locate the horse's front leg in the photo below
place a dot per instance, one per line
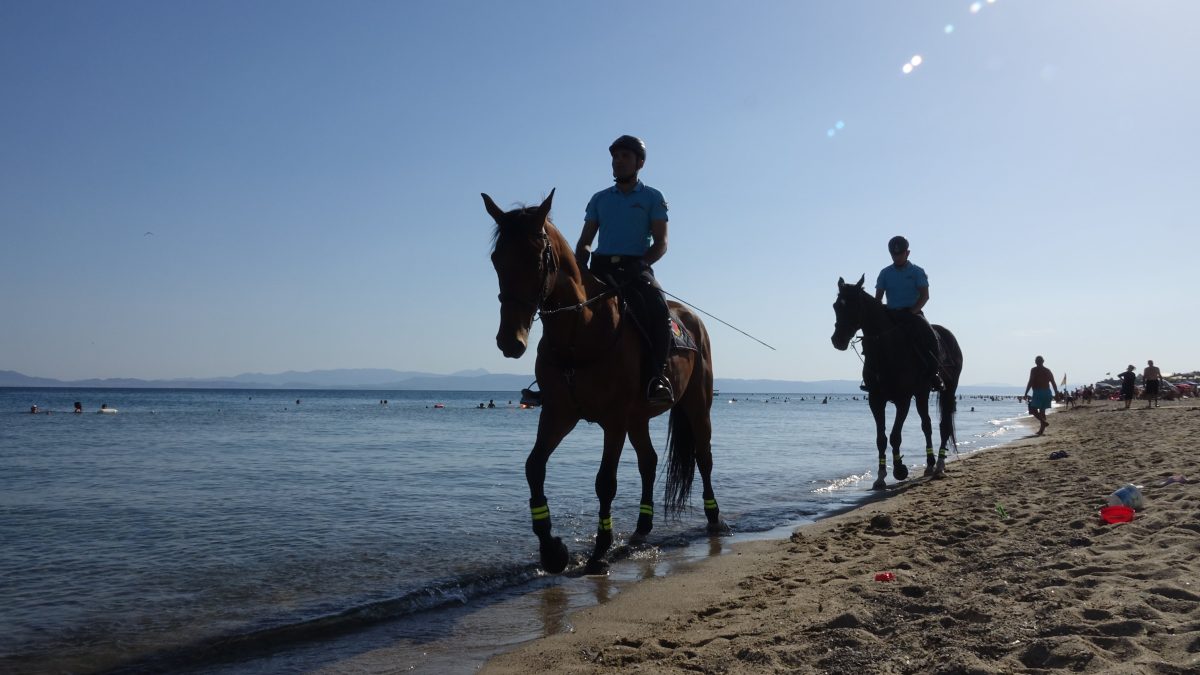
(551, 430)
(639, 437)
(927, 429)
(899, 468)
(878, 406)
(606, 491)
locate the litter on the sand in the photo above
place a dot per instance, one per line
(1129, 495)
(1118, 513)
(885, 576)
(1177, 478)
(1000, 510)
(1059, 454)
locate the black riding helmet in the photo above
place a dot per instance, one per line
(897, 245)
(631, 143)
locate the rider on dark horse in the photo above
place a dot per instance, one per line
(907, 290)
(631, 218)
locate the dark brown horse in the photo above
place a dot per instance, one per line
(893, 372)
(590, 367)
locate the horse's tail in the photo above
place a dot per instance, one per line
(947, 405)
(681, 462)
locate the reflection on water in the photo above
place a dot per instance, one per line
(553, 604)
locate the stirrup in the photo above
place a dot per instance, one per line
(659, 391)
(936, 384)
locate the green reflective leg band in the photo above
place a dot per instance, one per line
(540, 512)
(647, 509)
(942, 453)
(929, 451)
(710, 504)
(606, 524)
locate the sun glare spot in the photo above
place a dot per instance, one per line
(907, 68)
(975, 7)
(916, 60)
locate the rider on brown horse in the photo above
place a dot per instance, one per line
(631, 218)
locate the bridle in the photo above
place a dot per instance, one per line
(547, 266)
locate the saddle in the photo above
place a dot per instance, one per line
(681, 337)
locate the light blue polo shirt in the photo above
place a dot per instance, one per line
(902, 284)
(625, 218)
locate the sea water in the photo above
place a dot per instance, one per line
(241, 531)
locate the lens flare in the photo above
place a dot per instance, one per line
(907, 68)
(916, 60)
(840, 125)
(830, 133)
(975, 7)
(949, 28)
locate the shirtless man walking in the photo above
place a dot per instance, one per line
(1152, 380)
(1041, 381)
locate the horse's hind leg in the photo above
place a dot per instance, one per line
(899, 468)
(702, 436)
(927, 429)
(551, 431)
(606, 491)
(639, 437)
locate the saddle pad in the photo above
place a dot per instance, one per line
(680, 337)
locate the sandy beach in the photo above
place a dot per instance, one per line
(1003, 566)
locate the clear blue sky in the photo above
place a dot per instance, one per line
(311, 172)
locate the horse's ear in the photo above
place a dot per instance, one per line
(544, 209)
(494, 211)
(841, 282)
(861, 280)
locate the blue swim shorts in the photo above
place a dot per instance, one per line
(1041, 399)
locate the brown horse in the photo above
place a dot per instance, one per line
(589, 367)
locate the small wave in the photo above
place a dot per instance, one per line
(841, 483)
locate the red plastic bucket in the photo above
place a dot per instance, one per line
(1118, 513)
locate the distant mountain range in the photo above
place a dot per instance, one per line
(401, 380)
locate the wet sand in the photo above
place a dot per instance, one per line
(1003, 566)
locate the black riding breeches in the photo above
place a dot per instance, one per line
(923, 336)
(641, 291)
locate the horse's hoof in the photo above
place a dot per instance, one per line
(928, 469)
(900, 471)
(554, 556)
(879, 484)
(718, 527)
(596, 566)
(939, 469)
(638, 538)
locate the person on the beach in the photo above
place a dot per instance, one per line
(907, 291)
(1151, 380)
(631, 219)
(1041, 381)
(1128, 379)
